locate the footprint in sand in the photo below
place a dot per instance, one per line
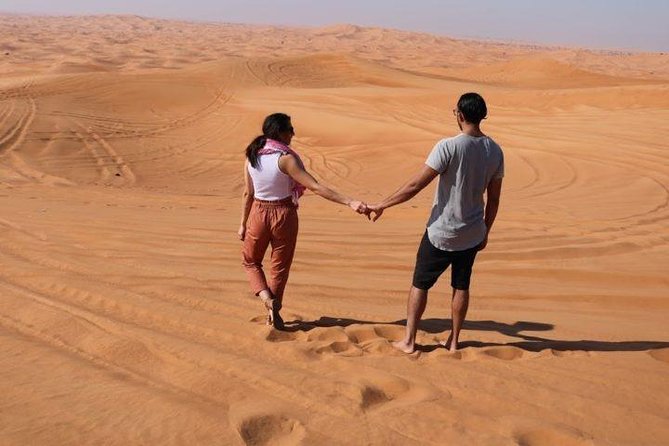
(258, 319)
(332, 340)
(273, 335)
(550, 436)
(563, 353)
(371, 396)
(503, 353)
(274, 429)
(375, 339)
(342, 348)
(335, 334)
(382, 391)
(362, 334)
(441, 353)
(661, 355)
(390, 332)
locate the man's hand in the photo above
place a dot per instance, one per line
(241, 232)
(375, 209)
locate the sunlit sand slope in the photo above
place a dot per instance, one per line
(125, 315)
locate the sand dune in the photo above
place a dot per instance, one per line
(541, 73)
(125, 315)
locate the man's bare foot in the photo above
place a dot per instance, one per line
(449, 344)
(404, 346)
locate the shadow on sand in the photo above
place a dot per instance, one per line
(516, 330)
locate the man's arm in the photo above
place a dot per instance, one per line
(416, 184)
(493, 193)
(247, 201)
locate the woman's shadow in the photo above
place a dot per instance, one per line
(516, 330)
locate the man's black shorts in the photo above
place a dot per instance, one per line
(431, 262)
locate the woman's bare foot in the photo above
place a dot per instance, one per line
(277, 320)
(273, 317)
(270, 305)
(404, 346)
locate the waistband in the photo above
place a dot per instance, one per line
(286, 202)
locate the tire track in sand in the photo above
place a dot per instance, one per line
(6, 113)
(110, 154)
(14, 138)
(112, 127)
(15, 135)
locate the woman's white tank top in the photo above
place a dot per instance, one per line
(269, 183)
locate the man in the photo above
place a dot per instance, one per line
(469, 165)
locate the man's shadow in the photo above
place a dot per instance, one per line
(516, 330)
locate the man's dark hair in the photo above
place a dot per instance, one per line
(473, 108)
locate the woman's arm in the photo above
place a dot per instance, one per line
(247, 201)
(289, 165)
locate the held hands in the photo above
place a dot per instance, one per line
(365, 209)
(375, 209)
(358, 206)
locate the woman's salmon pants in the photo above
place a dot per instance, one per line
(272, 223)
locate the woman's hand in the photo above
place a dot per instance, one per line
(358, 206)
(242, 232)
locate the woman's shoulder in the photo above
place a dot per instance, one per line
(287, 157)
(287, 162)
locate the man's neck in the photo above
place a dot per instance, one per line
(472, 130)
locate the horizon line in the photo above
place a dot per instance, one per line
(509, 42)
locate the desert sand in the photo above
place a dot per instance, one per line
(125, 314)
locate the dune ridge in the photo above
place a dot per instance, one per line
(133, 42)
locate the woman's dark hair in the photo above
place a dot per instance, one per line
(274, 125)
(473, 108)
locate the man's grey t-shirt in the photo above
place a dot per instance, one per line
(466, 165)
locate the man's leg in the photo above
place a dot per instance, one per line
(430, 264)
(415, 307)
(460, 279)
(459, 305)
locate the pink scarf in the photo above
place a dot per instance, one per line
(273, 146)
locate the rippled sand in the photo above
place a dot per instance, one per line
(125, 316)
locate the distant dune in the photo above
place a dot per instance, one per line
(125, 315)
(131, 42)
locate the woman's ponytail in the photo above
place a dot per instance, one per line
(274, 125)
(253, 148)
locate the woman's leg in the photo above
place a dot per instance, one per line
(284, 238)
(257, 240)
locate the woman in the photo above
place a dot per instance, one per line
(275, 179)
